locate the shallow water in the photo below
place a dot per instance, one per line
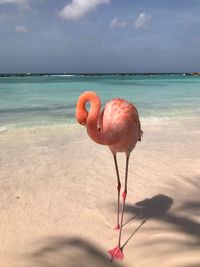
(50, 99)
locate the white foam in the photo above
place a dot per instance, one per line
(3, 129)
(154, 119)
(61, 75)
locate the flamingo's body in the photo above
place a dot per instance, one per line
(121, 118)
(117, 126)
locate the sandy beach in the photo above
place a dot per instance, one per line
(58, 198)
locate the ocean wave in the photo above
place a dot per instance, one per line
(7, 127)
(37, 124)
(3, 128)
(154, 119)
(36, 109)
(167, 119)
(60, 75)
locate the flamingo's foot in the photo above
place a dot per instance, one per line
(117, 227)
(116, 253)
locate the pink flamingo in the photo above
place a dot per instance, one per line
(118, 127)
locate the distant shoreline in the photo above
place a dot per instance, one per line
(95, 74)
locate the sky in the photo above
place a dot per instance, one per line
(99, 36)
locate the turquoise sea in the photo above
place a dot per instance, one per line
(50, 99)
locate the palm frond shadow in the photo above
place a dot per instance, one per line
(173, 231)
(158, 207)
(69, 252)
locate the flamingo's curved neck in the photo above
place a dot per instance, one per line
(91, 119)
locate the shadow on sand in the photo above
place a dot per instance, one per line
(69, 252)
(178, 229)
(158, 207)
(73, 252)
(154, 207)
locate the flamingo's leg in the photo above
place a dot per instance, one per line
(117, 253)
(118, 191)
(124, 200)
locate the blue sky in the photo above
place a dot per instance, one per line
(99, 36)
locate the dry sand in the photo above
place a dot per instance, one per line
(58, 198)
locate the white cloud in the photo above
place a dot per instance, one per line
(20, 3)
(21, 29)
(142, 21)
(117, 23)
(79, 8)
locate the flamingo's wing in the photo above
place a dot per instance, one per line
(100, 120)
(140, 132)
